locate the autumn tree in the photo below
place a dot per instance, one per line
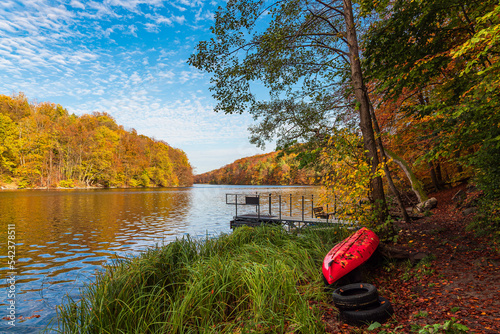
(445, 54)
(42, 145)
(303, 52)
(275, 168)
(8, 149)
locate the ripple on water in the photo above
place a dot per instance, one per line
(46, 255)
(80, 249)
(36, 265)
(90, 229)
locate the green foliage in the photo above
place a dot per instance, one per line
(422, 269)
(448, 327)
(440, 59)
(374, 326)
(422, 314)
(486, 160)
(145, 180)
(23, 184)
(299, 55)
(67, 183)
(486, 222)
(255, 280)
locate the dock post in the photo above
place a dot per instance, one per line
(269, 204)
(236, 202)
(279, 197)
(302, 209)
(335, 203)
(312, 206)
(258, 206)
(327, 215)
(290, 205)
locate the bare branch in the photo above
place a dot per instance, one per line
(332, 8)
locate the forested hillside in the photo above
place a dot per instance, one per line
(42, 145)
(270, 168)
(385, 96)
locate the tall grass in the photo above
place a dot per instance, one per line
(254, 280)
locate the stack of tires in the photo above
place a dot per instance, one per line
(360, 304)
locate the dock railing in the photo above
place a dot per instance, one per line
(257, 201)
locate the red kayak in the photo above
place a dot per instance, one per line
(349, 254)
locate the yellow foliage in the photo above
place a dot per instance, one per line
(347, 186)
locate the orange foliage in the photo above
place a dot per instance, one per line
(269, 169)
(412, 137)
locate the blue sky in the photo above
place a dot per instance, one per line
(126, 58)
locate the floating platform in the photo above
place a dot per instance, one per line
(316, 217)
(289, 223)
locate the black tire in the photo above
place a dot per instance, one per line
(380, 312)
(355, 296)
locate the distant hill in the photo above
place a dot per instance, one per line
(269, 169)
(42, 145)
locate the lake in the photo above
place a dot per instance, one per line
(62, 237)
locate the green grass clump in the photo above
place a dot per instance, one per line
(254, 280)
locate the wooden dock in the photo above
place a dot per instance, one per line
(289, 223)
(316, 217)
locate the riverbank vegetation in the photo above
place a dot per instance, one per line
(265, 280)
(42, 145)
(276, 168)
(385, 97)
(254, 280)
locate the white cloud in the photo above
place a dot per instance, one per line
(8, 26)
(101, 10)
(190, 76)
(133, 4)
(159, 19)
(132, 29)
(164, 54)
(202, 15)
(135, 79)
(179, 19)
(97, 55)
(77, 4)
(191, 3)
(166, 74)
(8, 3)
(151, 27)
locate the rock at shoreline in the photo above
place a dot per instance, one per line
(431, 203)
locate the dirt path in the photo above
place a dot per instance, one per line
(462, 281)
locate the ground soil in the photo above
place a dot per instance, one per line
(462, 281)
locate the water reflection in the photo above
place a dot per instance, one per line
(64, 236)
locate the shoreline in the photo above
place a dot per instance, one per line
(258, 280)
(3, 188)
(226, 284)
(9, 188)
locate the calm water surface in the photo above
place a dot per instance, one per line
(64, 236)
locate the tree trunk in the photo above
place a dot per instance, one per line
(439, 175)
(363, 101)
(434, 179)
(393, 188)
(414, 182)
